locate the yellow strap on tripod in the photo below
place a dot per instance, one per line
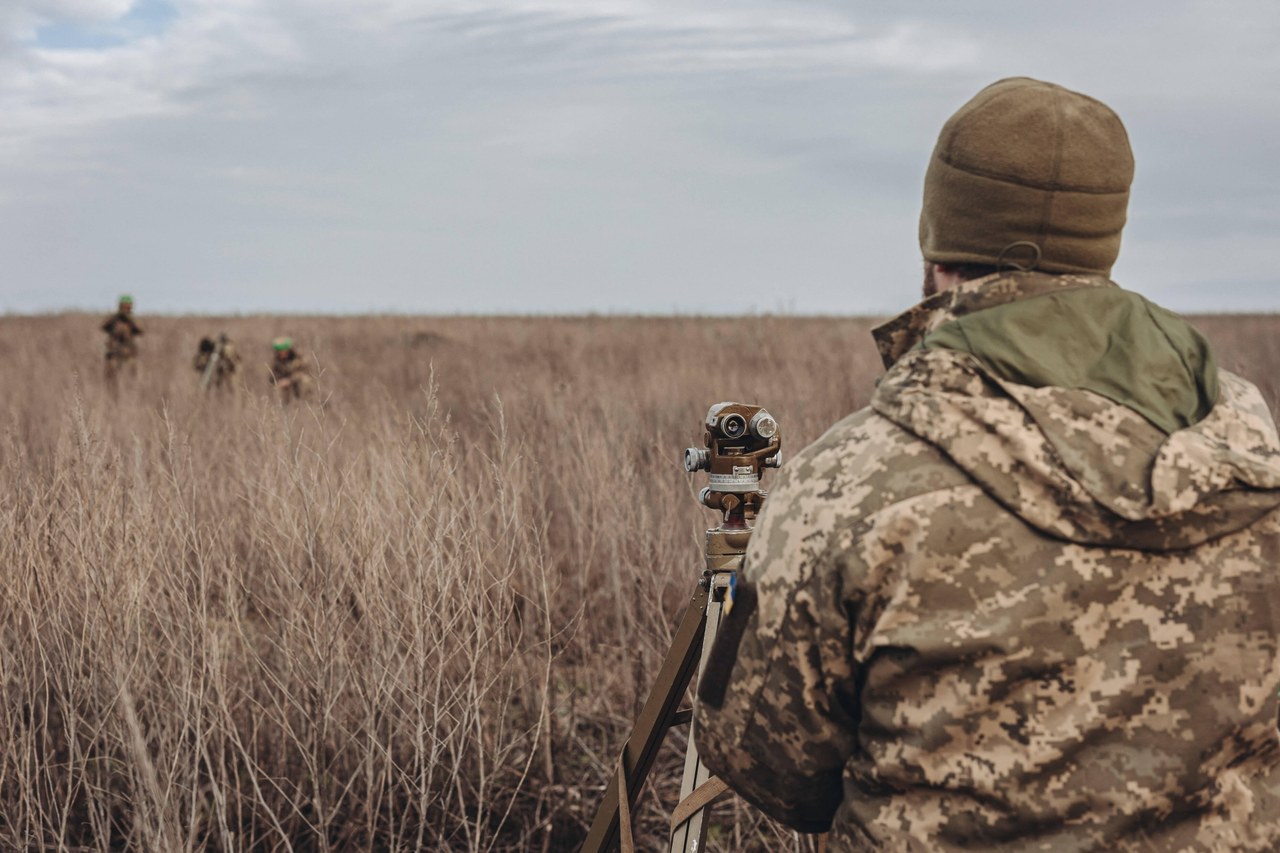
(626, 843)
(699, 798)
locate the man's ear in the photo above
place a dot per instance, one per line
(945, 276)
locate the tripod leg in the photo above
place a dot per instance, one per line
(652, 724)
(691, 835)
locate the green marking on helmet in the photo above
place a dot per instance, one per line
(282, 344)
(126, 299)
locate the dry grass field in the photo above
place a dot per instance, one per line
(418, 612)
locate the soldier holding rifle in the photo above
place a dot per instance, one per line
(1025, 599)
(122, 344)
(289, 371)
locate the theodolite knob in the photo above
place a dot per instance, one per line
(696, 459)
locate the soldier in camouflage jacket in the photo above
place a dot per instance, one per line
(290, 372)
(122, 338)
(217, 358)
(1024, 600)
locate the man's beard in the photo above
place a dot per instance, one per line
(930, 283)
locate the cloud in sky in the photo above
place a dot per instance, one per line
(593, 155)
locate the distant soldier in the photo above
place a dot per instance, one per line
(216, 361)
(289, 370)
(122, 333)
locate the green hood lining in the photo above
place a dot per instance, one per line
(1105, 340)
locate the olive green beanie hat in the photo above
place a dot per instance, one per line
(1028, 174)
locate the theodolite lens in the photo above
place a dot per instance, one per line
(696, 459)
(733, 426)
(763, 425)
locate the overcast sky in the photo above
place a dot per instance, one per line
(589, 155)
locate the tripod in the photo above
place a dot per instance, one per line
(696, 634)
(741, 440)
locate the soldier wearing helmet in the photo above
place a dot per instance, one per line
(1026, 599)
(122, 344)
(289, 370)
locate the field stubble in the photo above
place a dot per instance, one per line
(418, 612)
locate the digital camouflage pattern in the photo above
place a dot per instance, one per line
(989, 616)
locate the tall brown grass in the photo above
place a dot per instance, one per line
(418, 612)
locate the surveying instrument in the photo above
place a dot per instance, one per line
(740, 441)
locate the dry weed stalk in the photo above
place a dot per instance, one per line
(416, 614)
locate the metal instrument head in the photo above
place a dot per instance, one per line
(741, 440)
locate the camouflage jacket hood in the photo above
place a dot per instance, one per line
(1130, 438)
(1017, 604)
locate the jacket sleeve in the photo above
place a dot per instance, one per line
(777, 714)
